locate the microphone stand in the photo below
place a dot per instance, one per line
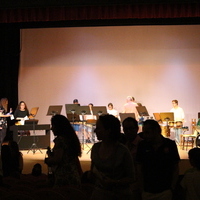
(83, 128)
(34, 146)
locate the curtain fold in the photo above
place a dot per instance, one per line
(146, 11)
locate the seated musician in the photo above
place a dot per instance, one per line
(111, 110)
(22, 114)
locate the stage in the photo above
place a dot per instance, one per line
(31, 158)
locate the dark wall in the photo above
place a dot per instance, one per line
(9, 64)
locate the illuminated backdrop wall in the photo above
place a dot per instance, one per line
(155, 64)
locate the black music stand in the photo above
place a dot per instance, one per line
(123, 116)
(142, 111)
(99, 110)
(33, 121)
(83, 110)
(54, 110)
(71, 112)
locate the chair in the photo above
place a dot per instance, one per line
(189, 139)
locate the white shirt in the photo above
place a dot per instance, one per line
(113, 112)
(178, 114)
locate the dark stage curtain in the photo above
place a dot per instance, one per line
(141, 11)
(9, 64)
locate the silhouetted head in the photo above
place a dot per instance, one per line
(37, 170)
(130, 128)
(151, 130)
(108, 128)
(194, 157)
(61, 125)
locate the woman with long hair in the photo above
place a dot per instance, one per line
(63, 159)
(21, 111)
(3, 120)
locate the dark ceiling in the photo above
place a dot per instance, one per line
(5, 4)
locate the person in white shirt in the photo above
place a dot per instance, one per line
(178, 111)
(111, 110)
(178, 119)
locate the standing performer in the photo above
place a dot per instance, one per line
(130, 106)
(3, 120)
(178, 118)
(178, 111)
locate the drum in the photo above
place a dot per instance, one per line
(91, 121)
(171, 124)
(165, 131)
(179, 124)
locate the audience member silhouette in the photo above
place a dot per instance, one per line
(157, 163)
(191, 179)
(11, 157)
(111, 162)
(130, 128)
(37, 170)
(63, 159)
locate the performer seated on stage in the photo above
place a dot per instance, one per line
(22, 114)
(111, 110)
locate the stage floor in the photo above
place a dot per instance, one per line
(31, 158)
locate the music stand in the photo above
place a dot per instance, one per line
(142, 111)
(71, 112)
(33, 122)
(54, 110)
(157, 117)
(33, 112)
(167, 116)
(123, 116)
(83, 110)
(99, 110)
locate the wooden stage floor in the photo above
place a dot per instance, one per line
(31, 158)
